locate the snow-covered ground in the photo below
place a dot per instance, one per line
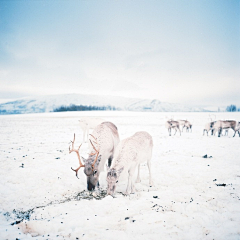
(41, 198)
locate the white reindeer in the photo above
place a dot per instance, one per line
(172, 124)
(104, 141)
(130, 153)
(209, 127)
(87, 123)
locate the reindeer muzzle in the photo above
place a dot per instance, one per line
(90, 186)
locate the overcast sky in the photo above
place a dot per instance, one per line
(175, 51)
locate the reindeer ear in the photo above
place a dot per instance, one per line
(120, 170)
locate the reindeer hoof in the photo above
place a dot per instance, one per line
(151, 184)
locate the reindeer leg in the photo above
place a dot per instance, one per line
(133, 190)
(132, 182)
(129, 183)
(150, 174)
(130, 186)
(219, 132)
(138, 180)
(175, 131)
(234, 133)
(110, 161)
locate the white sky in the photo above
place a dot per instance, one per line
(175, 51)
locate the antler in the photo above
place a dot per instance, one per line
(79, 157)
(96, 151)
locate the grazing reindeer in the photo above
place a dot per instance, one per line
(130, 153)
(208, 127)
(185, 123)
(188, 126)
(182, 123)
(220, 125)
(172, 124)
(87, 123)
(105, 140)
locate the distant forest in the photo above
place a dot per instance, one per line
(85, 108)
(232, 108)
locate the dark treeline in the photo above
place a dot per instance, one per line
(232, 108)
(84, 108)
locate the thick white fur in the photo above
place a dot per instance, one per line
(107, 137)
(130, 153)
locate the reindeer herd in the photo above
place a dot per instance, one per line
(220, 125)
(106, 149)
(213, 126)
(171, 124)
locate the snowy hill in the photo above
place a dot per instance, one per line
(49, 103)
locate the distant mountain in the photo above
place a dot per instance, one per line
(51, 102)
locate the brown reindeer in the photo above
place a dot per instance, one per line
(172, 124)
(227, 124)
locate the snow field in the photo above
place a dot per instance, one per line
(38, 186)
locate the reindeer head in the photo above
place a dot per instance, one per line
(90, 166)
(92, 171)
(112, 180)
